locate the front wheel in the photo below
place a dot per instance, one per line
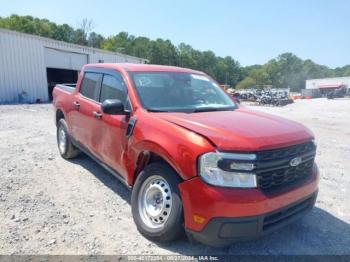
(156, 203)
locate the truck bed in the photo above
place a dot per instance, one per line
(66, 87)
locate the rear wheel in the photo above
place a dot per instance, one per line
(65, 147)
(156, 203)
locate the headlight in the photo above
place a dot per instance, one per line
(228, 170)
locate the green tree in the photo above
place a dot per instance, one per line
(64, 33)
(79, 37)
(342, 71)
(141, 47)
(286, 71)
(95, 40)
(260, 77)
(185, 56)
(247, 82)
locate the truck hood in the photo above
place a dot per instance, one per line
(242, 129)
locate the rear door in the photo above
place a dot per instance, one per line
(88, 111)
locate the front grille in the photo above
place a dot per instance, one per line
(274, 171)
(275, 219)
(291, 151)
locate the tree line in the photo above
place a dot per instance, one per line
(287, 70)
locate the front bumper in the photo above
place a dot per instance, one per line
(227, 215)
(224, 231)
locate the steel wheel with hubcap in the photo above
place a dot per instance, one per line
(156, 203)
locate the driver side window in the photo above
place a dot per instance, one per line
(113, 87)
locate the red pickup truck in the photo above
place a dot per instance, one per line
(196, 161)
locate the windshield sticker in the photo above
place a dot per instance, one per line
(143, 81)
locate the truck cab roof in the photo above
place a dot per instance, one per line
(130, 67)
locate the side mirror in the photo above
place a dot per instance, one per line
(113, 107)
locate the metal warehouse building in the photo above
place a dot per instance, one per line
(326, 85)
(31, 65)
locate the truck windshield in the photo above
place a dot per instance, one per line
(180, 92)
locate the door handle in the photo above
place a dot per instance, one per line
(97, 115)
(76, 104)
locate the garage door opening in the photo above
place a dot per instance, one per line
(59, 76)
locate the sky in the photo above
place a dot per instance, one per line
(251, 31)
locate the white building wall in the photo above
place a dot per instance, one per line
(62, 59)
(23, 64)
(22, 68)
(315, 83)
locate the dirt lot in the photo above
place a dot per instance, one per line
(52, 206)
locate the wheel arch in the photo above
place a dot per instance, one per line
(147, 157)
(59, 115)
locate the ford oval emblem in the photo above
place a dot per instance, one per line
(295, 161)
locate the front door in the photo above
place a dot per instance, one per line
(113, 141)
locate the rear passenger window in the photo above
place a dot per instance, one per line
(113, 87)
(89, 86)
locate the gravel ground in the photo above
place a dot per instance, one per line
(52, 206)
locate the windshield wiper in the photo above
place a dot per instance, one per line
(192, 110)
(156, 110)
(211, 109)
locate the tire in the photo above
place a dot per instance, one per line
(65, 147)
(170, 220)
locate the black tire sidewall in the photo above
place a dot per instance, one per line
(62, 124)
(173, 227)
(70, 151)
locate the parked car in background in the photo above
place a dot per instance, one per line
(195, 160)
(337, 93)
